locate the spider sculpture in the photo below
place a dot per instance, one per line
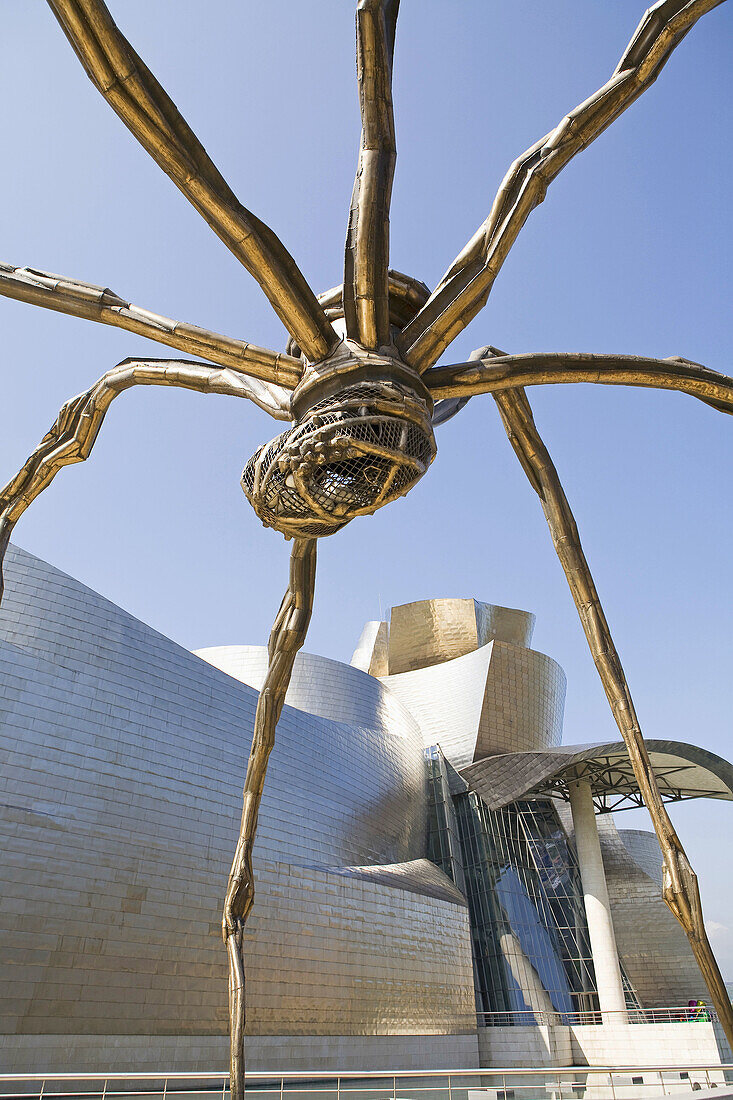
(358, 382)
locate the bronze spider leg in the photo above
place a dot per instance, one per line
(496, 373)
(97, 303)
(366, 290)
(148, 112)
(73, 434)
(287, 637)
(465, 287)
(680, 889)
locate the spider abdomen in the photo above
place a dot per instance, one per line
(350, 454)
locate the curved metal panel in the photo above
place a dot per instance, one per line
(682, 771)
(499, 698)
(329, 689)
(429, 632)
(124, 762)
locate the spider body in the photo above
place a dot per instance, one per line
(350, 454)
(362, 437)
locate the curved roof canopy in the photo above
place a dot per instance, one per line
(683, 771)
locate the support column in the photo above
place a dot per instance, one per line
(597, 906)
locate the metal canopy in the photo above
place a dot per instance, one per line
(682, 772)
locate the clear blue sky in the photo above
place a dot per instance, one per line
(629, 253)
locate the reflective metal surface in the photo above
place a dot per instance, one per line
(470, 680)
(652, 946)
(429, 632)
(124, 759)
(125, 755)
(682, 771)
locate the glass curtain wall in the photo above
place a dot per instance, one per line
(529, 927)
(521, 880)
(444, 844)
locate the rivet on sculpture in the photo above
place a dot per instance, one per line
(359, 383)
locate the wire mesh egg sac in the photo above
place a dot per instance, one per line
(348, 456)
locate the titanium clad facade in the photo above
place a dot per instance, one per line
(328, 689)
(395, 896)
(492, 708)
(430, 632)
(655, 952)
(121, 800)
(500, 698)
(465, 671)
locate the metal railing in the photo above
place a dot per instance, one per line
(562, 1083)
(682, 1014)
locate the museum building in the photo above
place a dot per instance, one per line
(440, 882)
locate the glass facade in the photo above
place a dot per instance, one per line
(529, 928)
(444, 843)
(520, 876)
